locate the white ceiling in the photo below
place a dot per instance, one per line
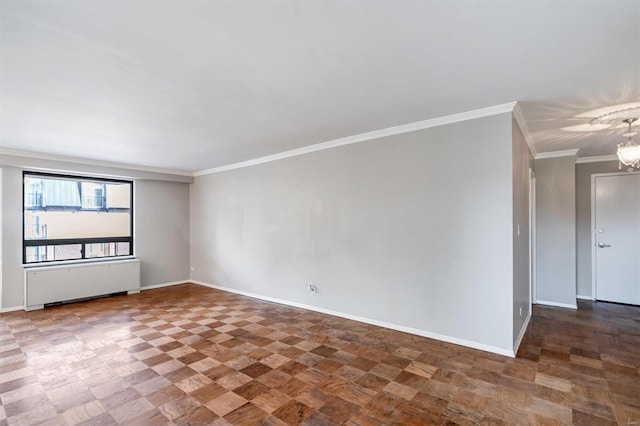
(196, 84)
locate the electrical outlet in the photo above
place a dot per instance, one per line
(193, 268)
(520, 310)
(313, 288)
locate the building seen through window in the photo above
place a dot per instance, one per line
(68, 218)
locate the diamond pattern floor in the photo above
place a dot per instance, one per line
(190, 355)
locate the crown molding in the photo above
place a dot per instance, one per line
(597, 159)
(522, 123)
(363, 137)
(78, 160)
(555, 154)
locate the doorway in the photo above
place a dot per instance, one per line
(532, 237)
(615, 213)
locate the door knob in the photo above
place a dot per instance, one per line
(603, 245)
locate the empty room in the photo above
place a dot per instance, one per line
(326, 212)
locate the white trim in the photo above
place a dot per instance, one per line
(533, 284)
(151, 287)
(555, 154)
(557, 305)
(523, 330)
(522, 123)
(111, 259)
(593, 236)
(78, 160)
(581, 297)
(620, 173)
(410, 330)
(376, 134)
(12, 309)
(597, 159)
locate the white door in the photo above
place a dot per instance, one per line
(617, 238)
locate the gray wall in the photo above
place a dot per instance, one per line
(161, 211)
(522, 163)
(583, 220)
(12, 272)
(414, 230)
(161, 214)
(556, 230)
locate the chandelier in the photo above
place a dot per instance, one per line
(628, 152)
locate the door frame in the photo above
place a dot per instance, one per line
(593, 223)
(533, 297)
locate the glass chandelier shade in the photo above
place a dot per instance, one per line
(628, 152)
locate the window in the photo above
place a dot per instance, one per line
(72, 217)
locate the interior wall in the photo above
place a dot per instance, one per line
(1, 232)
(413, 230)
(12, 272)
(556, 231)
(161, 226)
(161, 214)
(583, 220)
(522, 163)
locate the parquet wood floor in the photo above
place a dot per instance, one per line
(190, 355)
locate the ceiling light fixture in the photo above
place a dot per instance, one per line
(628, 152)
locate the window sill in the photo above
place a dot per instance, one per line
(76, 262)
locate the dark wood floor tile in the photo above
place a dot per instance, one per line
(251, 390)
(293, 412)
(291, 368)
(248, 414)
(387, 406)
(271, 420)
(293, 387)
(461, 414)
(338, 410)
(291, 352)
(324, 351)
(192, 357)
(157, 359)
(363, 364)
(271, 400)
(319, 419)
(274, 378)
(218, 372)
(179, 373)
(164, 395)
(255, 370)
(581, 418)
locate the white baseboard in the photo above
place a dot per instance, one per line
(11, 309)
(584, 297)
(404, 329)
(151, 287)
(556, 304)
(523, 330)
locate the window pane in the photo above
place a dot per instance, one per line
(55, 208)
(107, 250)
(93, 195)
(51, 253)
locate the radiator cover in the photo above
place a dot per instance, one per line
(50, 284)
